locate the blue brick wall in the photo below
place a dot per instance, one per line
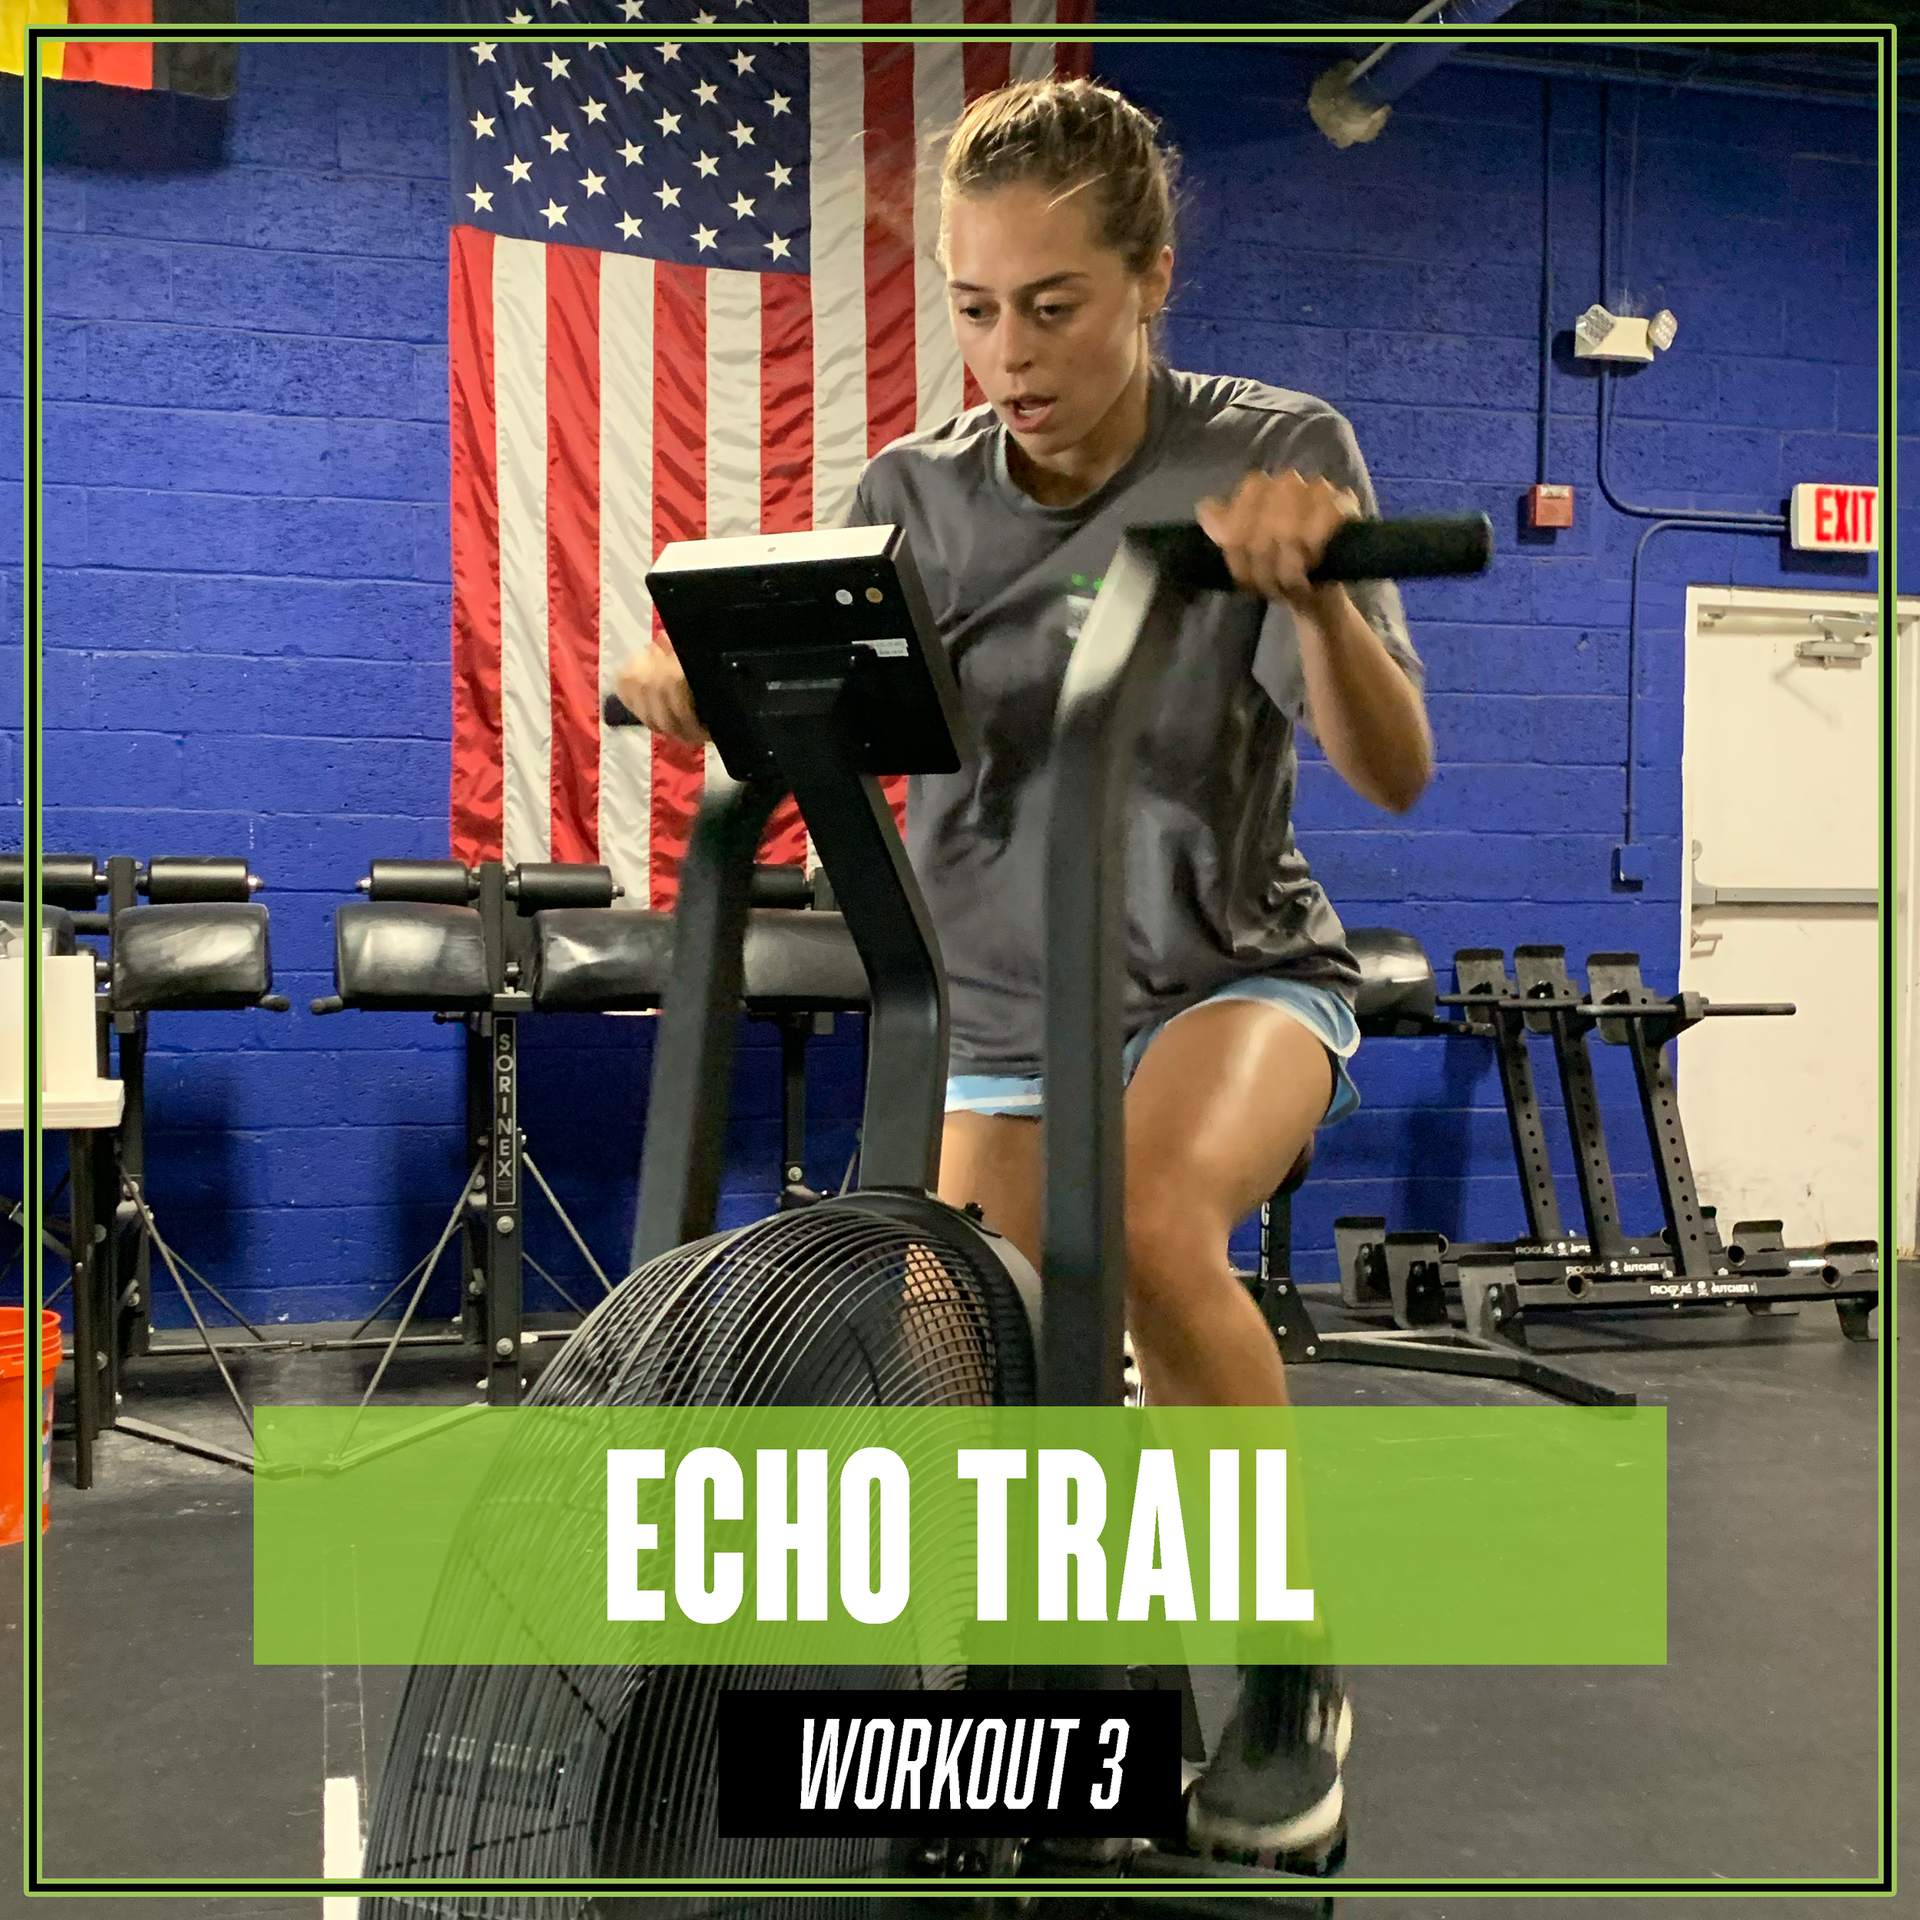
(247, 599)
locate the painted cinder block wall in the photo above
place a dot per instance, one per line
(247, 602)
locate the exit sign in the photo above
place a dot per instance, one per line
(1835, 519)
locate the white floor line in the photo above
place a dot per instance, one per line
(340, 1845)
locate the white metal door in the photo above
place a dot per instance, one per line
(1781, 810)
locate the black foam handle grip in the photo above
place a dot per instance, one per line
(537, 885)
(172, 881)
(70, 880)
(781, 886)
(446, 883)
(1360, 550)
(1408, 549)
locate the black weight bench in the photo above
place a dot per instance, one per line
(56, 927)
(419, 957)
(794, 962)
(182, 935)
(491, 944)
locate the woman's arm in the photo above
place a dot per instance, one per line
(1366, 713)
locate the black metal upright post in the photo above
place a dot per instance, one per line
(1696, 1244)
(1482, 971)
(135, 1334)
(504, 1212)
(473, 1226)
(498, 1219)
(114, 1309)
(793, 1029)
(1119, 655)
(1542, 975)
(680, 1166)
(852, 827)
(89, 1334)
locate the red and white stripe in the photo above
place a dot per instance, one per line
(604, 405)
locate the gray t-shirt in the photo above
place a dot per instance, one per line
(1216, 888)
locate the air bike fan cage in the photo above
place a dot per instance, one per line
(814, 661)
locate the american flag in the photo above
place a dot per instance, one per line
(692, 290)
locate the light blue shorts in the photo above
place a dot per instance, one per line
(1322, 1012)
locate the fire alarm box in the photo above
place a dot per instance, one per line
(1549, 506)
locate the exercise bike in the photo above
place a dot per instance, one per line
(814, 661)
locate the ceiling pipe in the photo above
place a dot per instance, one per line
(1350, 103)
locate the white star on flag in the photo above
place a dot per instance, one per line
(482, 125)
(554, 214)
(705, 236)
(482, 200)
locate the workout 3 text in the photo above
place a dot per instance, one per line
(899, 1764)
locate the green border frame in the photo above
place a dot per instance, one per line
(1202, 32)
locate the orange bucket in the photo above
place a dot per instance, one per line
(13, 1387)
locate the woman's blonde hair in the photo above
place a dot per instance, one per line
(1069, 136)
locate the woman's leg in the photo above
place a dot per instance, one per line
(1218, 1111)
(992, 1161)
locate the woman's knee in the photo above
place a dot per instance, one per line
(1176, 1244)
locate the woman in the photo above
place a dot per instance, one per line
(1056, 239)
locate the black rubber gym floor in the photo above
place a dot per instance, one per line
(1752, 1753)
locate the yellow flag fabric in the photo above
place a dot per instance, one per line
(15, 17)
